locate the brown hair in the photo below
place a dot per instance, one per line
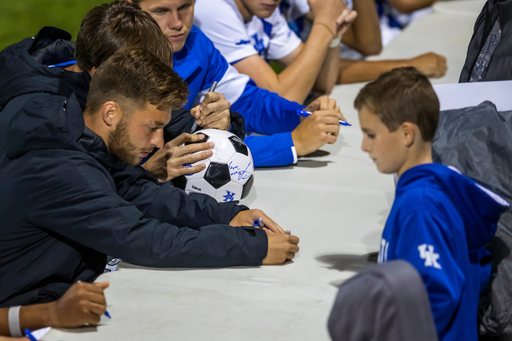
(134, 77)
(402, 95)
(110, 27)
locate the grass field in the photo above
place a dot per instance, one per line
(24, 18)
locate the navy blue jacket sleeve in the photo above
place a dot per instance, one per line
(80, 203)
(170, 204)
(426, 244)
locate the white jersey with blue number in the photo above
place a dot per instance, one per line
(220, 20)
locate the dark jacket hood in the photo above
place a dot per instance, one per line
(479, 208)
(24, 67)
(45, 122)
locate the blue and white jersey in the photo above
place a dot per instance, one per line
(270, 38)
(199, 63)
(440, 222)
(294, 9)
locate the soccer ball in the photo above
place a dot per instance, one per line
(229, 171)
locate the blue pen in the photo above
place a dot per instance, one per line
(71, 62)
(259, 223)
(29, 335)
(305, 113)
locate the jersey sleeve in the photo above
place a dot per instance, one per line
(427, 244)
(283, 40)
(227, 30)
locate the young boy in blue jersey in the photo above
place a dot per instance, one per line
(440, 220)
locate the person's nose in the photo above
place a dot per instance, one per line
(175, 22)
(365, 145)
(157, 138)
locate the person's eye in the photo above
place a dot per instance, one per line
(159, 12)
(371, 136)
(184, 7)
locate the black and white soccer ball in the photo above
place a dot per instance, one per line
(229, 172)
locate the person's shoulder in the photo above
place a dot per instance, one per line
(216, 10)
(198, 41)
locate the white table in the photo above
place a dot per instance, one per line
(337, 204)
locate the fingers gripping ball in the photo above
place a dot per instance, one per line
(228, 174)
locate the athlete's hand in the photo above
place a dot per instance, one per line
(345, 20)
(82, 303)
(247, 218)
(325, 103)
(280, 248)
(327, 12)
(430, 64)
(213, 112)
(172, 160)
(319, 128)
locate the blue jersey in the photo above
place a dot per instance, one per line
(199, 63)
(440, 222)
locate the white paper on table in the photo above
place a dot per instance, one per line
(40, 333)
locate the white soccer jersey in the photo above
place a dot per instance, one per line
(221, 21)
(294, 9)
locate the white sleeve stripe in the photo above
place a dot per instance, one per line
(294, 152)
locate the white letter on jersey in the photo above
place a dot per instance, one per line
(429, 256)
(383, 252)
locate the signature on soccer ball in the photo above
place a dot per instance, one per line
(237, 171)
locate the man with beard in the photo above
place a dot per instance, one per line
(60, 206)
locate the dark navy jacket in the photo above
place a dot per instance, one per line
(440, 222)
(65, 202)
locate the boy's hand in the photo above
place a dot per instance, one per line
(168, 162)
(247, 218)
(430, 64)
(325, 103)
(280, 248)
(213, 112)
(82, 303)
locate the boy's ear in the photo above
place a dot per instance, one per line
(409, 133)
(111, 113)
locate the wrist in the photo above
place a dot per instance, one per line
(296, 143)
(330, 28)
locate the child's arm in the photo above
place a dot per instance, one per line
(428, 245)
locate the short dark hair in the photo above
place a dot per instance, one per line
(134, 77)
(402, 95)
(110, 27)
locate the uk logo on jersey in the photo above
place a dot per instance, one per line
(427, 253)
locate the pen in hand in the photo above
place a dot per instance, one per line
(304, 113)
(259, 223)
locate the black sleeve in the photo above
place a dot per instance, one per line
(80, 203)
(170, 204)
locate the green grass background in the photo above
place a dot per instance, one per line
(20, 19)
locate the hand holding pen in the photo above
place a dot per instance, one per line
(213, 112)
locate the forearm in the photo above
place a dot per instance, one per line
(355, 71)
(328, 73)
(297, 80)
(409, 6)
(364, 35)
(32, 317)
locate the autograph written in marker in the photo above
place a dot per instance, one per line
(241, 173)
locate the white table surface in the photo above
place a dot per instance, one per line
(337, 204)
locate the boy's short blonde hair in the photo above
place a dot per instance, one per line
(402, 95)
